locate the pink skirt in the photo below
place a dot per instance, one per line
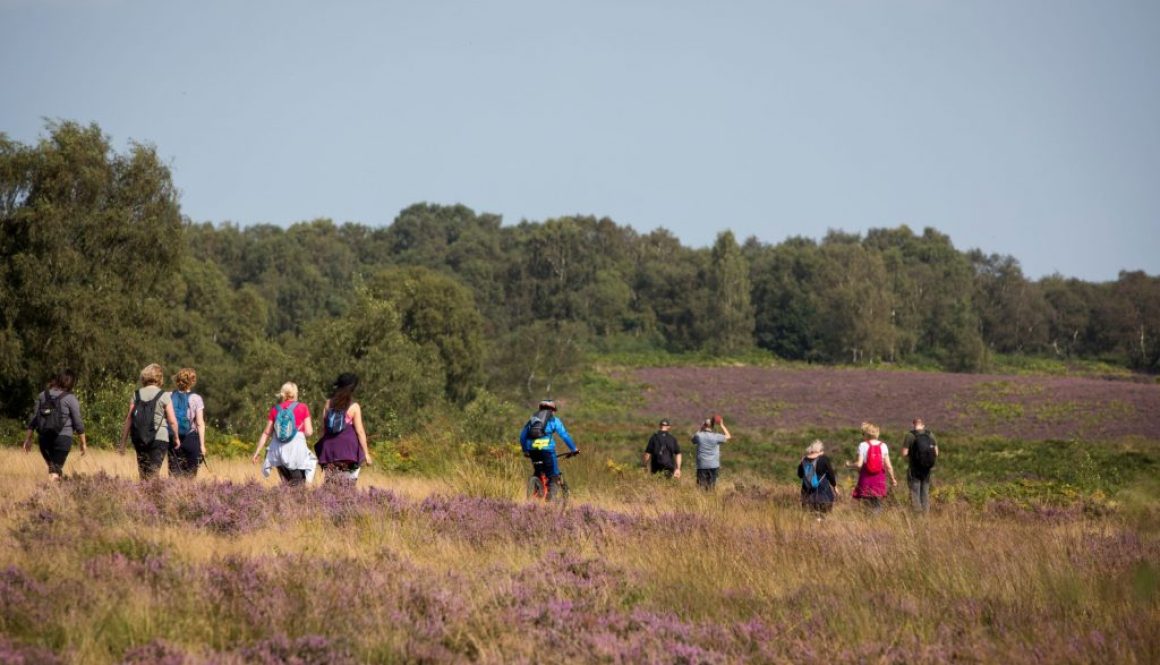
(870, 485)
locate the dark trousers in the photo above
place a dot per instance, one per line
(707, 478)
(54, 448)
(150, 457)
(292, 476)
(183, 461)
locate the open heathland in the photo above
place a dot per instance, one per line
(101, 568)
(795, 398)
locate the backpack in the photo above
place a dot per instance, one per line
(181, 412)
(922, 451)
(538, 424)
(284, 426)
(335, 421)
(50, 416)
(874, 458)
(143, 430)
(810, 477)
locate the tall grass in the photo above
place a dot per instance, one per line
(457, 567)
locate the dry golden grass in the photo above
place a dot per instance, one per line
(973, 585)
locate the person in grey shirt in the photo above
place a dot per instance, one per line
(55, 444)
(707, 443)
(151, 454)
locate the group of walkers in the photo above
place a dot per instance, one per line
(170, 425)
(341, 450)
(819, 482)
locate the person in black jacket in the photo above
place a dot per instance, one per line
(663, 453)
(819, 484)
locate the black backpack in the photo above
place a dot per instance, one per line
(922, 451)
(143, 430)
(538, 424)
(50, 417)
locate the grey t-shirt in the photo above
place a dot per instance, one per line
(148, 393)
(70, 405)
(708, 445)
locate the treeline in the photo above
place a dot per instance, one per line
(101, 272)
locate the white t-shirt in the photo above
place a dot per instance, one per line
(864, 447)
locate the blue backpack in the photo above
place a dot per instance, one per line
(181, 412)
(284, 426)
(810, 478)
(335, 421)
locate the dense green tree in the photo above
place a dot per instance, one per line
(90, 246)
(439, 312)
(729, 320)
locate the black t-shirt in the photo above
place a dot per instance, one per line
(663, 449)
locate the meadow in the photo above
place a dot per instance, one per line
(1039, 550)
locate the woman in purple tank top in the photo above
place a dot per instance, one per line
(342, 450)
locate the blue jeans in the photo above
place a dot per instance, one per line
(545, 461)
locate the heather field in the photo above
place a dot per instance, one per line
(102, 569)
(1044, 544)
(793, 399)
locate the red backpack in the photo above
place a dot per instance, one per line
(874, 458)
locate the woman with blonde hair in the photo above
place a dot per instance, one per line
(149, 411)
(189, 410)
(819, 484)
(873, 465)
(287, 427)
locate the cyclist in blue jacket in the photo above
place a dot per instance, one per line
(537, 439)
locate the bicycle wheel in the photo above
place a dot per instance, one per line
(559, 491)
(535, 488)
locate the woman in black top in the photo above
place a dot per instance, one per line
(56, 421)
(819, 484)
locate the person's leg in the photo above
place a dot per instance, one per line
(54, 449)
(552, 468)
(150, 458)
(713, 478)
(703, 479)
(915, 486)
(924, 494)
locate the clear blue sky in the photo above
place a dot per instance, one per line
(1022, 127)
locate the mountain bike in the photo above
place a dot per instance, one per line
(540, 487)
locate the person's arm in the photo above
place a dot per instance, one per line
(199, 421)
(525, 444)
(31, 429)
(802, 469)
(648, 450)
(563, 432)
(262, 439)
(171, 418)
(933, 443)
(860, 461)
(78, 423)
(356, 415)
(830, 474)
(907, 442)
(308, 423)
(888, 465)
(645, 458)
(27, 445)
(677, 471)
(725, 430)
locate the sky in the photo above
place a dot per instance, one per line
(1028, 128)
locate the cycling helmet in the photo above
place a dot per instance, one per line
(548, 404)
